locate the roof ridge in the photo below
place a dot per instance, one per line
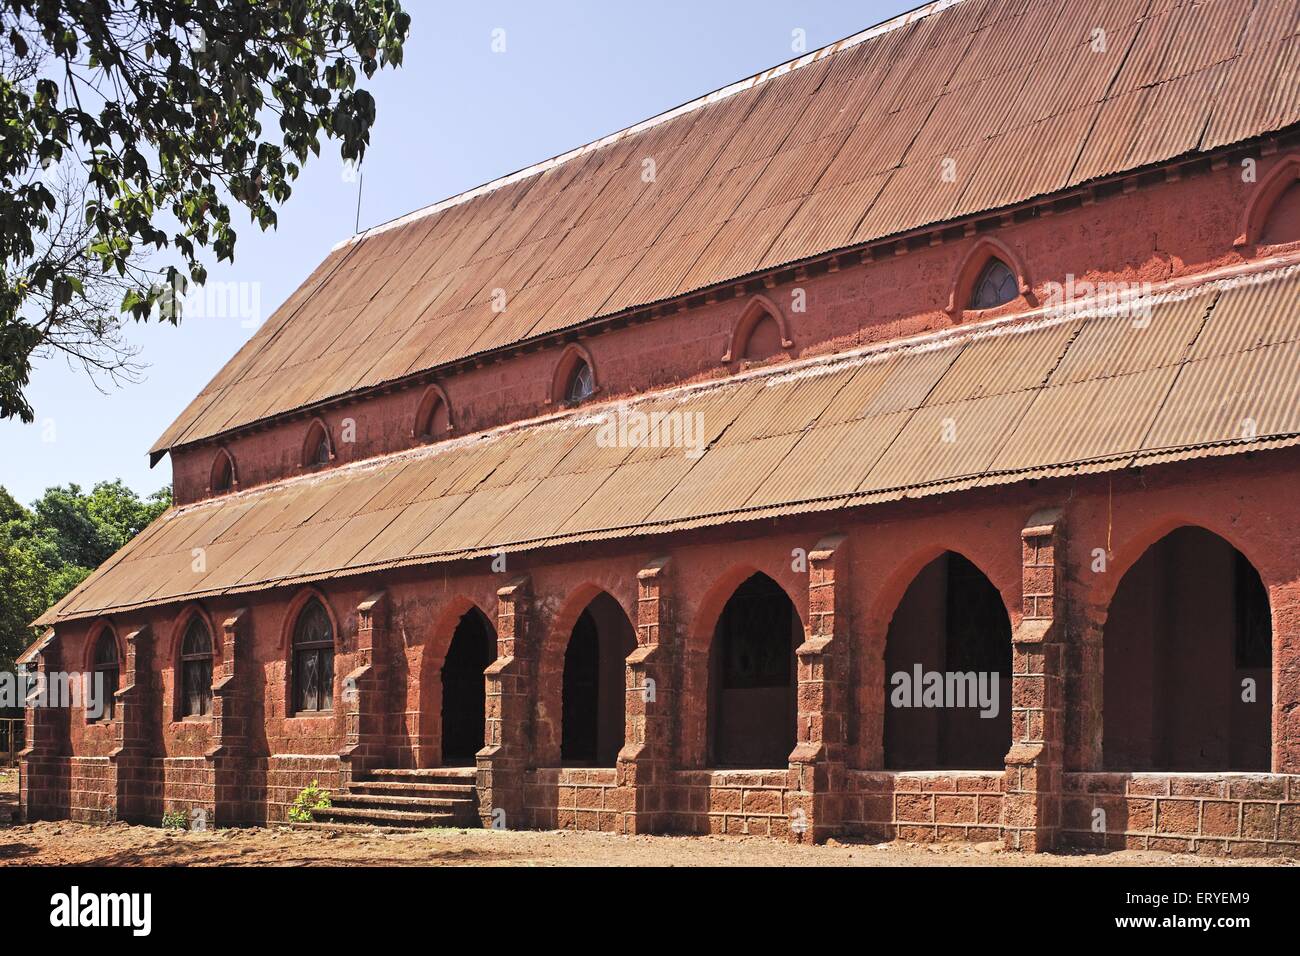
(905, 18)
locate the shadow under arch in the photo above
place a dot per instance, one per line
(584, 681)
(947, 673)
(752, 672)
(452, 691)
(1187, 658)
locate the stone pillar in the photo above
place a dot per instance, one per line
(1285, 602)
(1031, 814)
(645, 764)
(818, 763)
(364, 695)
(511, 689)
(228, 754)
(42, 774)
(128, 761)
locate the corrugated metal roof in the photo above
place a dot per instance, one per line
(842, 146)
(1190, 371)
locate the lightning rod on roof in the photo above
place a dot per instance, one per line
(361, 179)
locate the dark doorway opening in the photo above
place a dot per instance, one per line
(752, 674)
(1187, 661)
(473, 648)
(951, 623)
(594, 689)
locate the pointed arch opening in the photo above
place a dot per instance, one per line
(312, 690)
(752, 677)
(990, 277)
(1272, 216)
(464, 701)
(759, 333)
(574, 381)
(948, 672)
(593, 695)
(317, 448)
(1187, 660)
(194, 670)
(222, 476)
(433, 416)
(106, 672)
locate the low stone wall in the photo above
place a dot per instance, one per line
(1218, 814)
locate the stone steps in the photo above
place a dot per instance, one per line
(394, 800)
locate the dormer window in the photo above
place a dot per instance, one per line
(317, 451)
(433, 416)
(223, 473)
(582, 384)
(995, 286)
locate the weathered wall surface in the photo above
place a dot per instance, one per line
(246, 763)
(1160, 231)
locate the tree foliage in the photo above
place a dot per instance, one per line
(47, 550)
(172, 111)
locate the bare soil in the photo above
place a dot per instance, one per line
(63, 843)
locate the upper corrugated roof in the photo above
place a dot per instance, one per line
(834, 149)
(1209, 369)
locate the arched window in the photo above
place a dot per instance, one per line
(752, 677)
(316, 450)
(107, 669)
(313, 660)
(995, 286)
(1283, 222)
(433, 418)
(1187, 661)
(196, 670)
(593, 695)
(223, 473)
(582, 384)
(948, 672)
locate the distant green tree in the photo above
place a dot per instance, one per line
(48, 550)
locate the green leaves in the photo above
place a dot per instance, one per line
(176, 121)
(47, 551)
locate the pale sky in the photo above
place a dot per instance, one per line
(455, 115)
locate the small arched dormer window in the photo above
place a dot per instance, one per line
(196, 670)
(995, 286)
(222, 478)
(1283, 223)
(107, 668)
(581, 385)
(317, 451)
(313, 660)
(433, 417)
(760, 332)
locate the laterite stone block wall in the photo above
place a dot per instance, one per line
(577, 799)
(1230, 814)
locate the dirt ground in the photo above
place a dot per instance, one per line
(54, 844)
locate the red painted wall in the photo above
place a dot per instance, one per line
(1158, 232)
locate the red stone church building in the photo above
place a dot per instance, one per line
(902, 442)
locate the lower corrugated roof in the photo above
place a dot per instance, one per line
(1204, 369)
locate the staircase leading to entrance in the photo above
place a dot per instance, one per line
(402, 800)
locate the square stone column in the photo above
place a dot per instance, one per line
(42, 764)
(511, 691)
(363, 693)
(817, 764)
(228, 753)
(1031, 810)
(645, 764)
(129, 759)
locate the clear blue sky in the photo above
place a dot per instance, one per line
(455, 115)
